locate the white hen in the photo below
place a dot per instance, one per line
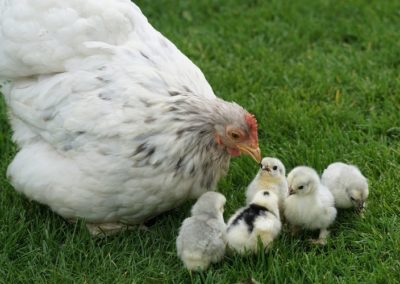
(114, 123)
(347, 184)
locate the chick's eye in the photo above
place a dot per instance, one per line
(274, 168)
(352, 198)
(261, 165)
(301, 187)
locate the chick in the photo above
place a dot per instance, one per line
(259, 219)
(310, 205)
(202, 237)
(271, 176)
(347, 184)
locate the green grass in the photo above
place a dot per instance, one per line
(323, 79)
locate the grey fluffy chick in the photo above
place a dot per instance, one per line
(347, 184)
(202, 237)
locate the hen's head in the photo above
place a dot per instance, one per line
(238, 133)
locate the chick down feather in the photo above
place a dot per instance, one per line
(310, 204)
(347, 184)
(202, 237)
(260, 220)
(271, 176)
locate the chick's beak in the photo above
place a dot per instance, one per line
(252, 151)
(360, 205)
(291, 191)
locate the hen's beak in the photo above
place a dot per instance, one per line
(252, 151)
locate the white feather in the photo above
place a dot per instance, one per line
(81, 78)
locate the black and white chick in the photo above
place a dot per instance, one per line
(202, 237)
(347, 184)
(259, 219)
(310, 205)
(271, 176)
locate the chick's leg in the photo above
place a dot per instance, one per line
(323, 234)
(294, 230)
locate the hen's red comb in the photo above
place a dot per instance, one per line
(252, 123)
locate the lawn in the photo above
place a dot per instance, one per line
(323, 79)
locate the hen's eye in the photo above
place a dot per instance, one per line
(274, 168)
(235, 135)
(301, 187)
(352, 198)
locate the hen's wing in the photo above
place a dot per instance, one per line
(113, 66)
(46, 37)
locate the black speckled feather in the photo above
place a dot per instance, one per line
(249, 215)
